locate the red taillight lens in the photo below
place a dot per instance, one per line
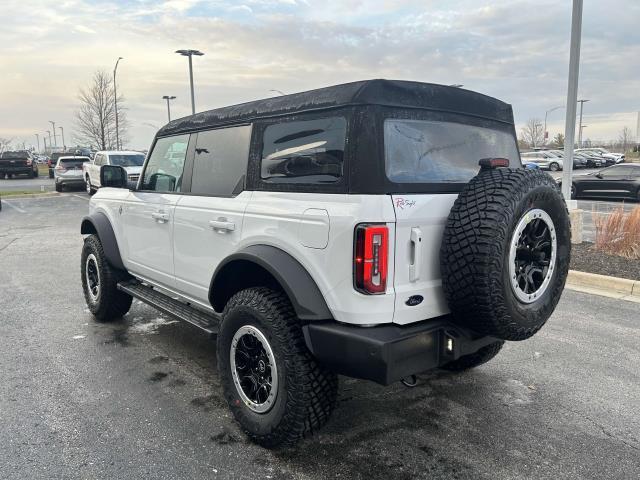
(29, 163)
(370, 258)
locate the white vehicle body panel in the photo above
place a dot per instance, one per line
(420, 222)
(91, 170)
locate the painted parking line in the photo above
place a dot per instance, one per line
(9, 204)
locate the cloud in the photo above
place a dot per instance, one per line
(514, 50)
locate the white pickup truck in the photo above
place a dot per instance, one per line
(131, 161)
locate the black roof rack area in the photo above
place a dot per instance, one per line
(392, 93)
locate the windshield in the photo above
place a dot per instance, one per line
(127, 160)
(424, 151)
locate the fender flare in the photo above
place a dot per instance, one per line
(303, 292)
(98, 223)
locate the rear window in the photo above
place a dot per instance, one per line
(127, 160)
(310, 151)
(72, 162)
(425, 151)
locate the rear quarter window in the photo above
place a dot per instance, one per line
(426, 151)
(308, 152)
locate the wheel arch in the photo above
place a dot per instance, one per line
(98, 224)
(264, 264)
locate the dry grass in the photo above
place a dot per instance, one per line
(618, 232)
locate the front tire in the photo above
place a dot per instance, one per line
(554, 167)
(475, 359)
(275, 389)
(100, 283)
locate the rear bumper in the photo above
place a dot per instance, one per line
(15, 170)
(70, 180)
(388, 353)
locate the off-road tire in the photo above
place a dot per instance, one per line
(474, 257)
(306, 392)
(58, 187)
(473, 360)
(110, 303)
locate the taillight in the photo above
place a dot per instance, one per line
(370, 258)
(28, 163)
(60, 168)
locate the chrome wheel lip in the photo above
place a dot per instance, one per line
(265, 406)
(92, 276)
(525, 220)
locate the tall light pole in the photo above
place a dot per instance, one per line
(580, 133)
(55, 140)
(115, 103)
(191, 53)
(544, 142)
(49, 132)
(581, 102)
(168, 98)
(38, 139)
(44, 139)
(64, 147)
(572, 98)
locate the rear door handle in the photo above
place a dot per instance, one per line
(415, 261)
(222, 225)
(160, 217)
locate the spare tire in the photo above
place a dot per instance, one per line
(505, 253)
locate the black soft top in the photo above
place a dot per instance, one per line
(391, 93)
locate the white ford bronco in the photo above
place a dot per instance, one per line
(375, 229)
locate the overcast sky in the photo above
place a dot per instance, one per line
(517, 51)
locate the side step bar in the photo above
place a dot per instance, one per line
(170, 306)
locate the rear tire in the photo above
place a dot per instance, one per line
(34, 173)
(476, 359)
(58, 187)
(100, 283)
(554, 167)
(90, 190)
(289, 395)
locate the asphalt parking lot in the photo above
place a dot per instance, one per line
(140, 398)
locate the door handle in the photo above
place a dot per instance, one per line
(415, 261)
(222, 225)
(160, 217)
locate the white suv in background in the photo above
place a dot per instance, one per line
(372, 229)
(131, 161)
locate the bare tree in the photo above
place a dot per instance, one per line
(533, 132)
(4, 144)
(96, 118)
(558, 140)
(624, 139)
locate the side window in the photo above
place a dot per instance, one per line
(163, 172)
(309, 151)
(220, 161)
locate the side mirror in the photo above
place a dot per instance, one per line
(113, 176)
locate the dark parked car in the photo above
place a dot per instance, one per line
(617, 181)
(18, 163)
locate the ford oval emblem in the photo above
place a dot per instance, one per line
(414, 300)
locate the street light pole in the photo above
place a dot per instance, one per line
(55, 140)
(168, 98)
(49, 132)
(64, 147)
(190, 54)
(580, 131)
(572, 98)
(44, 139)
(544, 142)
(38, 139)
(115, 103)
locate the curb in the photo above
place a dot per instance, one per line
(604, 285)
(31, 195)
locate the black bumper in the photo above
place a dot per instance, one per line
(388, 353)
(16, 170)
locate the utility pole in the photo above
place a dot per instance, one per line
(581, 102)
(168, 98)
(190, 53)
(38, 139)
(544, 142)
(64, 147)
(572, 98)
(115, 103)
(55, 140)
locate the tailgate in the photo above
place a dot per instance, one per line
(420, 221)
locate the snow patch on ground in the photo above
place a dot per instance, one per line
(78, 337)
(150, 327)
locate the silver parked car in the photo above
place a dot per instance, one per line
(544, 159)
(68, 172)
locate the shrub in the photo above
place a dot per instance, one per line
(618, 232)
